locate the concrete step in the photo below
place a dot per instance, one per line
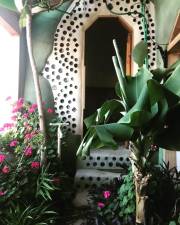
(104, 159)
(86, 178)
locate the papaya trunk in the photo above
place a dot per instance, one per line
(140, 205)
(35, 76)
(141, 182)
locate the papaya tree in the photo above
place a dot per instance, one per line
(147, 115)
(27, 8)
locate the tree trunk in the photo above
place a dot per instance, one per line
(35, 76)
(140, 205)
(141, 182)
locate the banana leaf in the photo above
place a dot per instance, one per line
(105, 112)
(153, 101)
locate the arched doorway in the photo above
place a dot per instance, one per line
(100, 77)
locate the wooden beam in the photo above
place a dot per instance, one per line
(128, 54)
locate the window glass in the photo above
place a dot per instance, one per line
(9, 70)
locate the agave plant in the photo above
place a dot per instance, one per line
(147, 115)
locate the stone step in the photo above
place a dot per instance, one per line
(105, 159)
(86, 178)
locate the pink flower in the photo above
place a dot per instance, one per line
(2, 158)
(8, 125)
(49, 110)
(5, 170)
(8, 98)
(31, 110)
(20, 101)
(106, 194)
(34, 106)
(14, 118)
(28, 151)
(18, 105)
(15, 109)
(1, 129)
(29, 136)
(101, 205)
(35, 165)
(13, 143)
(2, 193)
(25, 115)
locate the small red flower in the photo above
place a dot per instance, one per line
(8, 98)
(14, 118)
(18, 105)
(5, 169)
(2, 193)
(29, 136)
(49, 110)
(31, 110)
(2, 158)
(1, 129)
(8, 125)
(34, 106)
(100, 205)
(25, 115)
(13, 143)
(35, 165)
(106, 194)
(28, 151)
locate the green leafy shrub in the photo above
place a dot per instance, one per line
(127, 198)
(115, 203)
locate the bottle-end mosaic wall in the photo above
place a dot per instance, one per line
(65, 66)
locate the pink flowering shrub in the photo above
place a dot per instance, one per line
(24, 182)
(21, 143)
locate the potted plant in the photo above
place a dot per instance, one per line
(147, 115)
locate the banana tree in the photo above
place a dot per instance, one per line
(147, 114)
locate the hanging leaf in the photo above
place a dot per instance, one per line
(140, 52)
(121, 131)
